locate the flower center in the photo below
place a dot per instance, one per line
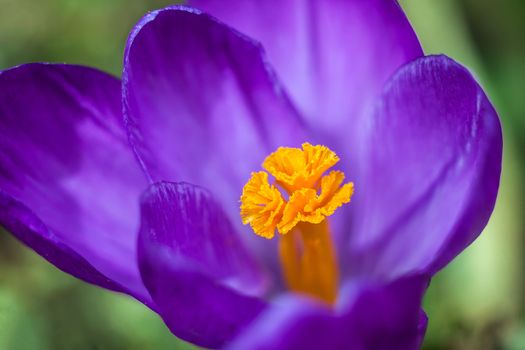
(306, 248)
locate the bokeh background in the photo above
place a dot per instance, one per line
(477, 302)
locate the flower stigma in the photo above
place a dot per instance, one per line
(306, 249)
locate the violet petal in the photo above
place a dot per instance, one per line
(333, 56)
(372, 317)
(432, 170)
(69, 184)
(202, 279)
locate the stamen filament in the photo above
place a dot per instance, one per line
(309, 261)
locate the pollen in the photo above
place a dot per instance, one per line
(305, 205)
(296, 168)
(262, 205)
(313, 196)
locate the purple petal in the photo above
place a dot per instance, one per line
(69, 185)
(333, 56)
(432, 170)
(373, 317)
(202, 105)
(199, 274)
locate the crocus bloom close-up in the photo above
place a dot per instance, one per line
(266, 175)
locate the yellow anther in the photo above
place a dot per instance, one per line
(296, 168)
(262, 205)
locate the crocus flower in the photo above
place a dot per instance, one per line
(370, 165)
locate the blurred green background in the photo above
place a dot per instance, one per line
(477, 302)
